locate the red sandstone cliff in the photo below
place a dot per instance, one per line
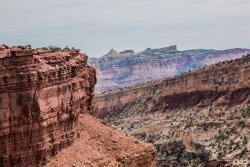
(42, 96)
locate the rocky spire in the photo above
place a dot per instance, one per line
(112, 53)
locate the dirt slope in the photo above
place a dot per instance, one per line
(102, 145)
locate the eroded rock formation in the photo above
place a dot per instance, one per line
(203, 115)
(42, 95)
(126, 68)
(228, 80)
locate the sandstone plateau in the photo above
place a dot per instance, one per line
(199, 118)
(45, 101)
(126, 68)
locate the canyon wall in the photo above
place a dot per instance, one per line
(215, 80)
(199, 118)
(127, 68)
(42, 96)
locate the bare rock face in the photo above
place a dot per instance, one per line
(200, 118)
(42, 94)
(127, 68)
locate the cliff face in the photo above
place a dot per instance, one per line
(198, 118)
(42, 94)
(116, 70)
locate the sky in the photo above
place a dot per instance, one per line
(96, 26)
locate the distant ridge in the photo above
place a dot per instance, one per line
(120, 69)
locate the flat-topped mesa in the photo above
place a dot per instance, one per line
(127, 52)
(42, 93)
(168, 49)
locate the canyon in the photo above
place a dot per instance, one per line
(127, 68)
(198, 118)
(46, 108)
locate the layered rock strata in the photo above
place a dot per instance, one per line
(200, 118)
(223, 83)
(127, 68)
(42, 95)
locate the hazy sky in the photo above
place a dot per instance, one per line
(96, 26)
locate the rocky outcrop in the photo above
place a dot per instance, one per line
(126, 68)
(42, 96)
(206, 112)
